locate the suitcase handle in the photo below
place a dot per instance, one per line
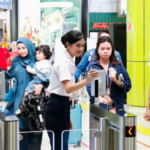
(72, 106)
(72, 103)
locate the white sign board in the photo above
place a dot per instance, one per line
(91, 43)
(102, 6)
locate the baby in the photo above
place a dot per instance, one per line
(41, 71)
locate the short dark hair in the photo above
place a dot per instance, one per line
(45, 49)
(102, 31)
(71, 37)
(112, 58)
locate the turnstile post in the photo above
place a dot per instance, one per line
(104, 134)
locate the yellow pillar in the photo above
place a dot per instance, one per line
(138, 48)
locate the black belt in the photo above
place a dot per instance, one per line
(58, 96)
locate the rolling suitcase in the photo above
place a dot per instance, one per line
(75, 137)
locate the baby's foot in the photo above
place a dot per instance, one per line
(18, 112)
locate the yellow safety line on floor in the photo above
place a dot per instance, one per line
(143, 129)
(3, 102)
(140, 128)
(84, 106)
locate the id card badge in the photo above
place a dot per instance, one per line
(108, 91)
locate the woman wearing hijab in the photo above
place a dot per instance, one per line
(26, 51)
(13, 53)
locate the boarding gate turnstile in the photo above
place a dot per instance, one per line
(9, 132)
(115, 132)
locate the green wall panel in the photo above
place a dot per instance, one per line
(136, 72)
(135, 37)
(104, 17)
(147, 81)
(138, 49)
(147, 30)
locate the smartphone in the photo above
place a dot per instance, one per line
(117, 76)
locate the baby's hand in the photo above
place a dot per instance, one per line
(18, 112)
(28, 67)
(47, 94)
(11, 84)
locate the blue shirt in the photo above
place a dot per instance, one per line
(84, 62)
(8, 95)
(115, 92)
(7, 98)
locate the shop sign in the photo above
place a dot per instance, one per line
(6, 4)
(103, 25)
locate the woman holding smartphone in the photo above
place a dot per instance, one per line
(62, 84)
(105, 59)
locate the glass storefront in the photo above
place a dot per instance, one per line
(5, 27)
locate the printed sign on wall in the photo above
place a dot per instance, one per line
(57, 18)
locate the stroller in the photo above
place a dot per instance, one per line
(32, 110)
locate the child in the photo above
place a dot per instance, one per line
(41, 70)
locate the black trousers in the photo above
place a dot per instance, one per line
(30, 140)
(57, 119)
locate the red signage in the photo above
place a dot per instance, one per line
(103, 25)
(130, 131)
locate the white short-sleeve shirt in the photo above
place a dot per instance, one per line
(61, 71)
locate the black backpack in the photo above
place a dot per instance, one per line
(32, 110)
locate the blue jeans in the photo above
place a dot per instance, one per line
(35, 80)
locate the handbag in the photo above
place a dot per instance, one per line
(32, 111)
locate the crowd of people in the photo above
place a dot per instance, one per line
(30, 70)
